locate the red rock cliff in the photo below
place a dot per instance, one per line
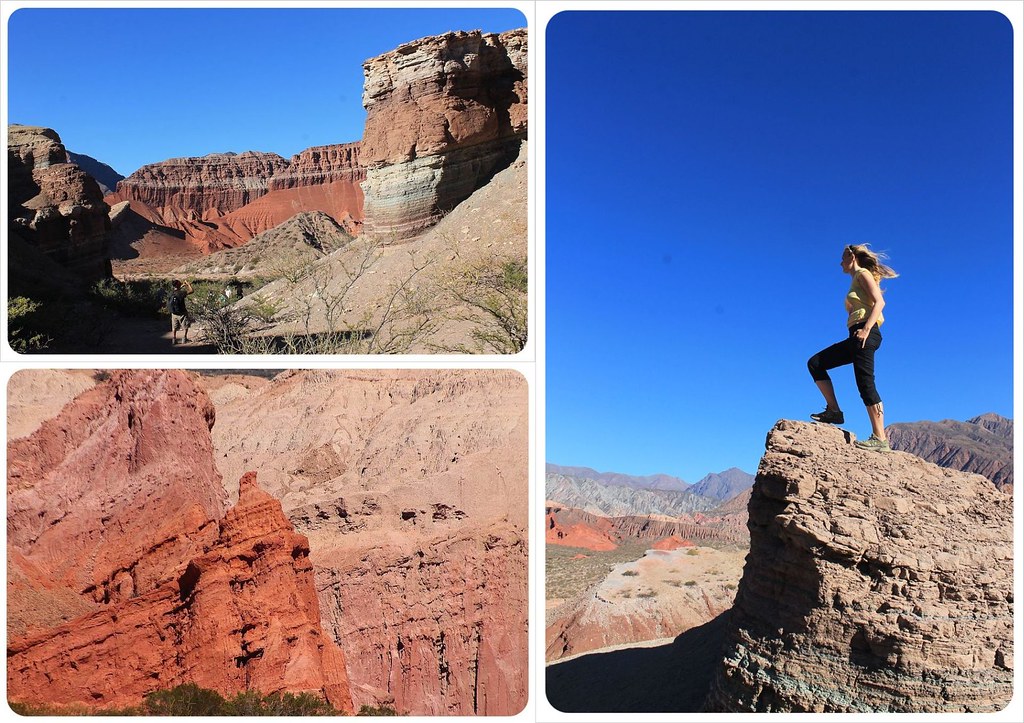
(444, 114)
(222, 200)
(874, 583)
(111, 497)
(242, 615)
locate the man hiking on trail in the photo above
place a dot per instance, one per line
(179, 312)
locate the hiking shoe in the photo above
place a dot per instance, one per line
(829, 416)
(874, 444)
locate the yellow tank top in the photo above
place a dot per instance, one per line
(858, 303)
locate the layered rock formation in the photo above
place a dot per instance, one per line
(875, 582)
(578, 528)
(444, 114)
(286, 248)
(110, 497)
(411, 487)
(242, 615)
(405, 496)
(125, 575)
(57, 215)
(983, 445)
(486, 231)
(223, 199)
(438, 626)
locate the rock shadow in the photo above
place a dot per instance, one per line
(672, 678)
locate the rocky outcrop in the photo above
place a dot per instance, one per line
(113, 495)
(284, 249)
(242, 615)
(224, 199)
(444, 114)
(56, 210)
(874, 582)
(982, 445)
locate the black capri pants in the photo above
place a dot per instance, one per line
(849, 351)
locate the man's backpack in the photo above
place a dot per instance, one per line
(176, 303)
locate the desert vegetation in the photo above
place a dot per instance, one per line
(191, 700)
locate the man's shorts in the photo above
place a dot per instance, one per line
(180, 321)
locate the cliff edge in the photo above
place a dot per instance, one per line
(875, 583)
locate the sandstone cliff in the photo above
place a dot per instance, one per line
(983, 445)
(57, 215)
(241, 615)
(223, 199)
(411, 486)
(107, 499)
(875, 582)
(444, 114)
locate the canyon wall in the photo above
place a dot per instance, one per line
(126, 576)
(243, 615)
(874, 583)
(412, 489)
(223, 199)
(110, 497)
(444, 114)
(57, 216)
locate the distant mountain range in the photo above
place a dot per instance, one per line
(983, 445)
(719, 486)
(617, 479)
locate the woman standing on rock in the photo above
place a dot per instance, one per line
(864, 305)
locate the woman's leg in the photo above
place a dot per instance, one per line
(864, 373)
(818, 365)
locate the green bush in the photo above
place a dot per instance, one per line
(630, 573)
(25, 325)
(187, 699)
(132, 298)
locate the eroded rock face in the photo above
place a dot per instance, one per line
(56, 209)
(444, 114)
(875, 582)
(223, 199)
(438, 626)
(241, 615)
(411, 486)
(113, 495)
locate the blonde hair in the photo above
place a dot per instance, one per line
(872, 261)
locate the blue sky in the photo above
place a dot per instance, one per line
(704, 173)
(137, 86)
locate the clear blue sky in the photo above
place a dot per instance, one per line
(137, 86)
(705, 170)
